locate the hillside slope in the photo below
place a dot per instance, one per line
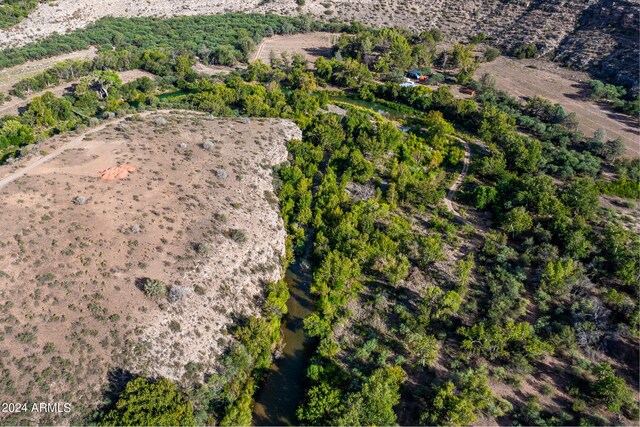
(600, 35)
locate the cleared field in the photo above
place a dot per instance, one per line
(530, 78)
(202, 218)
(310, 45)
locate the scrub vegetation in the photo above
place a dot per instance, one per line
(521, 308)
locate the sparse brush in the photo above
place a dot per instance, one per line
(239, 236)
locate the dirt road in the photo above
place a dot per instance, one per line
(448, 201)
(74, 143)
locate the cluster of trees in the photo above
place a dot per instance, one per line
(547, 246)
(146, 403)
(616, 96)
(210, 37)
(353, 243)
(13, 11)
(225, 398)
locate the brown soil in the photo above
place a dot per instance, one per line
(310, 46)
(528, 78)
(117, 172)
(71, 306)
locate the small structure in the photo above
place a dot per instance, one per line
(414, 74)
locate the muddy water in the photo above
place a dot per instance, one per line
(283, 390)
(383, 110)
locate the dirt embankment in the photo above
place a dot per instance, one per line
(196, 211)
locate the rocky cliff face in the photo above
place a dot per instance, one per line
(596, 35)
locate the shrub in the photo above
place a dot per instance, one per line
(80, 200)
(239, 236)
(154, 288)
(145, 403)
(526, 50)
(178, 292)
(491, 54)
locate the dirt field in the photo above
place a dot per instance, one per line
(14, 105)
(75, 247)
(528, 78)
(311, 46)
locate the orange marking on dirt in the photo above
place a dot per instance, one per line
(116, 172)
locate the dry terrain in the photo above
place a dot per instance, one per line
(528, 78)
(196, 210)
(309, 45)
(596, 34)
(10, 76)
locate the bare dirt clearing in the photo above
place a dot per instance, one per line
(76, 248)
(309, 45)
(528, 78)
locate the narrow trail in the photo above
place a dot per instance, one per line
(74, 143)
(448, 201)
(259, 50)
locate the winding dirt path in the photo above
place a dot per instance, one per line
(448, 201)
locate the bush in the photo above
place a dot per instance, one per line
(178, 292)
(154, 288)
(527, 50)
(239, 236)
(491, 54)
(145, 403)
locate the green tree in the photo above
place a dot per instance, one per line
(14, 133)
(449, 408)
(463, 270)
(610, 388)
(582, 197)
(559, 276)
(517, 221)
(146, 403)
(323, 403)
(464, 60)
(373, 405)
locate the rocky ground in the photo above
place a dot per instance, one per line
(195, 210)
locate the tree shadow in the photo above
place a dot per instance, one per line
(117, 380)
(140, 281)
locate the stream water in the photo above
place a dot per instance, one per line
(384, 110)
(284, 387)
